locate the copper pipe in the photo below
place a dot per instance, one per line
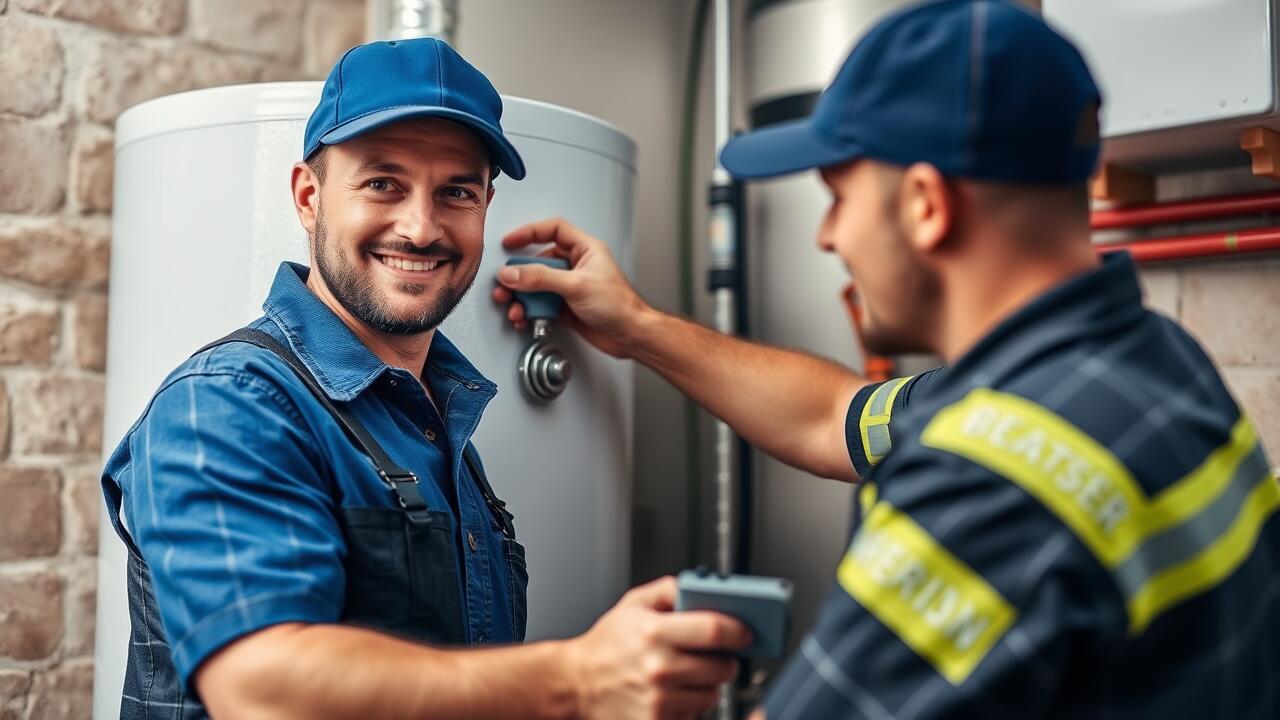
(1198, 246)
(1185, 210)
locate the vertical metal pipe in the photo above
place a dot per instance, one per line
(723, 236)
(405, 19)
(723, 118)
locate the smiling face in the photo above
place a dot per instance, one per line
(865, 226)
(396, 220)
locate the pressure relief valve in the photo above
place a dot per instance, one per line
(544, 370)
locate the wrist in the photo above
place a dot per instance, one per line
(564, 691)
(641, 331)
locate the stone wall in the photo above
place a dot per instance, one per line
(67, 69)
(1231, 305)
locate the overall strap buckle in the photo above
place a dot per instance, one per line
(404, 488)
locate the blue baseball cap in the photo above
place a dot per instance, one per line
(383, 82)
(980, 89)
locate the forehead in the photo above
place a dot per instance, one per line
(416, 143)
(840, 174)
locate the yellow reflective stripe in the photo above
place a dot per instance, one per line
(1160, 550)
(1071, 473)
(882, 397)
(1210, 566)
(945, 612)
(867, 496)
(1183, 499)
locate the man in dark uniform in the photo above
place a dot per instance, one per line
(310, 531)
(1073, 518)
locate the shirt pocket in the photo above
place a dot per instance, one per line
(517, 585)
(402, 576)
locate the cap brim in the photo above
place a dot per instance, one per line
(781, 150)
(504, 154)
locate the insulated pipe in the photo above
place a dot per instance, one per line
(1198, 246)
(1185, 211)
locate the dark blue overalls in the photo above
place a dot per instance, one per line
(401, 567)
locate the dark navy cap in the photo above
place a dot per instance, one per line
(382, 82)
(980, 89)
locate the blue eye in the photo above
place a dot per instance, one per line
(459, 193)
(379, 184)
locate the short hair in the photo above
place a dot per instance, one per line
(317, 164)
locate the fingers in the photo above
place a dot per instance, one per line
(537, 278)
(695, 670)
(552, 230)
(657, 595)
(703, 630)
(687, 703)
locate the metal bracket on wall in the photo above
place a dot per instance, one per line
(1263, 146)
(1122, 185)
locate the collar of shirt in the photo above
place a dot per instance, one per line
(343, 366)
(1105, 299)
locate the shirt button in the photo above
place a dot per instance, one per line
(431, 435)
(392, 382)
(471, 541)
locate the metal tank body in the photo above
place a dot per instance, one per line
(203, 217)
(793, 50)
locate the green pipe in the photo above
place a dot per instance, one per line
(692, 417)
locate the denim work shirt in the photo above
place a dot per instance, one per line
(233, 477)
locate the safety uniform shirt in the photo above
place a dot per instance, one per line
(1073, 520)
(248, 505)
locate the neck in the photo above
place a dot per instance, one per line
(983, 292)
(402, 351)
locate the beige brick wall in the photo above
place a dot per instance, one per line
(1231, 305)
(1233, 308)
(67, 69)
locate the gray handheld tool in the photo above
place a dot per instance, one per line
(761, 603)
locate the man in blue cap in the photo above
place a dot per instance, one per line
(1073, 518)
(310, 531)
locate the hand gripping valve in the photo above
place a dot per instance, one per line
(544, 370)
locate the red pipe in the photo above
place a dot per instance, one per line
(1196, 246)
(1185, 210)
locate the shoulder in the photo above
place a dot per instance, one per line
(251, 369)
(870, 428)
(236, 379)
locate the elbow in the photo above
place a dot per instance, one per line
(242, 681)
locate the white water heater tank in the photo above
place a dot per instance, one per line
(203, 217)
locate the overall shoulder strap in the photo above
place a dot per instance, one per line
(402, 482)
(496, 506)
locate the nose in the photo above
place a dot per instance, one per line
(826, 235)
(419, 222)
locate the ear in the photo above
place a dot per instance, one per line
(306, 196)
(927, 207)
(489, 195)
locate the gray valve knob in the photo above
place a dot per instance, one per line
(544, 371)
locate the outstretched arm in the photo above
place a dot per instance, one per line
(787, 403)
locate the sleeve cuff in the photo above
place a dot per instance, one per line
(853, 430)
(243, 618)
